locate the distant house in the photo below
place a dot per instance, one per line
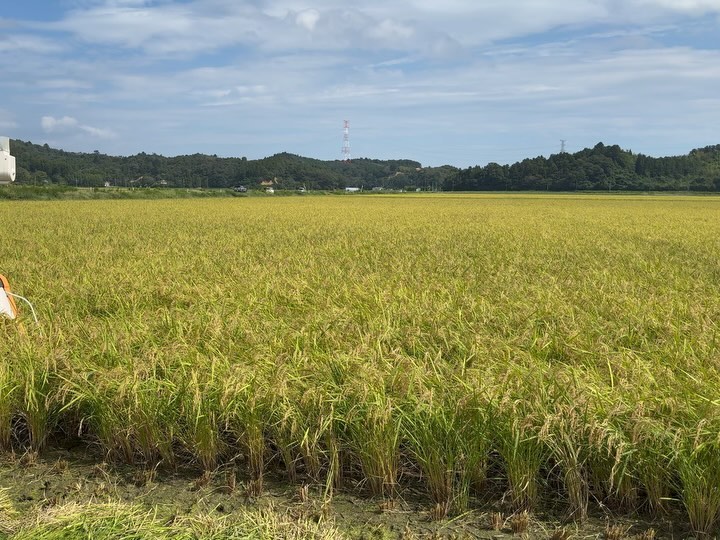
(352, 189)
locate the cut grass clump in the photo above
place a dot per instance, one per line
(114, 520)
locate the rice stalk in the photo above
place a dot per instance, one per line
(373, 426)
(698, 463)
(38, 403)
(523, 454)
(446, 437)
(8, 395)
(201, 408)
(247, 417)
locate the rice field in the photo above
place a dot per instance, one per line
(523, 348)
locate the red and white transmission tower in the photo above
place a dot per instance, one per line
(346, 143)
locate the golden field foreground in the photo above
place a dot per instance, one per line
(535, 348)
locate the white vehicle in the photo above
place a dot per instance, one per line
(7, 162)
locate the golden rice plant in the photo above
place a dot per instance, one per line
(698, 462)
(201, 411)
(247, 417)
(39, 397)
(374, 425)
(568, 336)
(8, 392)
(446, 436)
(565, 434)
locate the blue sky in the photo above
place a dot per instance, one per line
(460, 82)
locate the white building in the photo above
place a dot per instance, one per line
(7, 162)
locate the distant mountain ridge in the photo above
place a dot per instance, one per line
(599, 168)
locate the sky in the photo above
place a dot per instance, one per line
(458, 82)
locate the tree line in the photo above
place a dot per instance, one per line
(606, 168)
(599, 168)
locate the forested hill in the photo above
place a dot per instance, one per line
(42, 164)
(598, 168)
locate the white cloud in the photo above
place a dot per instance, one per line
(686, 6)
(98, 132)
(391, 30)
(27, 43)
(427, 26)
(308, 19)
(201, 26)
(163, 28)
(50, 124)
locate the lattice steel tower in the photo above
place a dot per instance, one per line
(346, 142)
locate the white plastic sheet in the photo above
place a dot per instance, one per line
(7, 308)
